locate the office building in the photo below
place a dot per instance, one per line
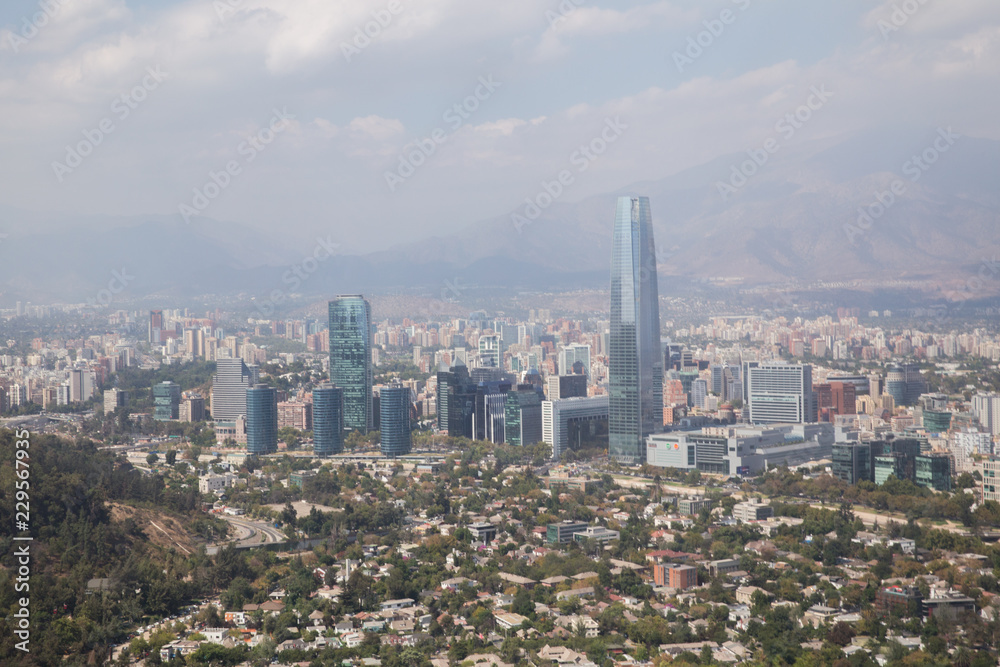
(752, 510)
(905, 384)
(897, 457)
(490, 410)
(81, 385)
(394, 419)
(986, 408)
(709, 453)
(947, 607)
(718, 382)
(937, 421)
(576, 424)
(635, 360)
(194, 343)
(523, 416)
(456, 402)
(562, 533)
(933, 470)
(699, 392)
(351, 358)
(574, 354)
(780, 393)
(114, 399)
(989, 471)
(483, 532)
(262, 419)
(565, 386)
(328, 420)
(229, 389)
(693, 506)
(679, 577)
(833, 399)
(491, 351)
(166, 401)
(852, 462)
(597, 534)
(192, 409)
(156, 327)
(901, 601)
(688, 379)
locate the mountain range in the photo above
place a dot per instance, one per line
(797, 219)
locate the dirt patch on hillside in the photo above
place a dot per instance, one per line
(160, 529)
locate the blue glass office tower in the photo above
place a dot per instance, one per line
(351, 358)
(394, 408)
(166, 401)
(635, 364)
(262, 419)
(328, 420)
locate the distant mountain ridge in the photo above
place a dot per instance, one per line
(794, 221)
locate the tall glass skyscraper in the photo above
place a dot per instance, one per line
(351, 358)
(635, 363)
(262, 419)
(328, 420)
(394, 406)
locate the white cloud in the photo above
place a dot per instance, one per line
(585, 21)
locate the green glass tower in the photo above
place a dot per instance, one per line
(635, 363)
(351, 358)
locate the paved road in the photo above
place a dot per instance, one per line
(253, 533)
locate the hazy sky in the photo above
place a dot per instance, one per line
(189, 88)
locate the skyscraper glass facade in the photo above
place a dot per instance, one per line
(262, 420)
(635, 363)
(328, 420)
(166, 401)
(394, 405)
(351, 358)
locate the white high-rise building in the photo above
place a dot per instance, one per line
(81, 385)
(571, 354)
(229, 388)
(780, 393)
(986, 408)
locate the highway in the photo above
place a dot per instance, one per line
(253, 533)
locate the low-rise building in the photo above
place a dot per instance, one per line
(752, 510)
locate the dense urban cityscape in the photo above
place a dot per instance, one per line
(496, 490)
(534, 333)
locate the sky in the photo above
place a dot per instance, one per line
(379, 122)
